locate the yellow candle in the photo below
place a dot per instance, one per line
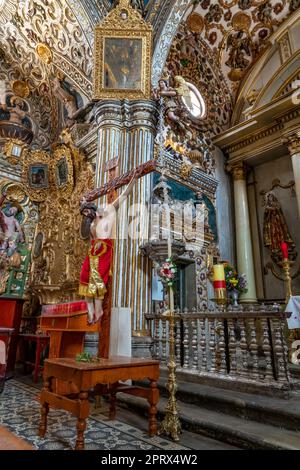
(219, 273)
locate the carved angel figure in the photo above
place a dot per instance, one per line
(68, 100)
(16, 111)
(173, 107)
(239, 46)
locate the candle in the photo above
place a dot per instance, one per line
(285, 251)
(219, 283)
(219, 273)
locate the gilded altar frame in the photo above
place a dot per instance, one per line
(122, 55)
(62, 170)
(36, 175)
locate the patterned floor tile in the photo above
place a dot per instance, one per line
(20, 414)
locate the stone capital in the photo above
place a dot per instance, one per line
(292, 142)
(238, 170)
(126, 114)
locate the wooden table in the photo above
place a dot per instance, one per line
(42, 341)
(87, 376)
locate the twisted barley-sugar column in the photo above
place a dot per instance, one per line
(245, 263)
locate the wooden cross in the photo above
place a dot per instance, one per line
(110, 188)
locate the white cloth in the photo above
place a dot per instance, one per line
(294, 307)
(2, 352)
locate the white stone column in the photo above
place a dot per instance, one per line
(245, 263)
(293, 143)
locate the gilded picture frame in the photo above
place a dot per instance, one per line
(36, 174)
(14, 151)
(122, 55)
(62, 170)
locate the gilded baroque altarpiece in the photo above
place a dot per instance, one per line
(59, 249)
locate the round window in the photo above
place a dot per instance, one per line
(194, 103)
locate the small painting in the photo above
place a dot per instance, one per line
(38, 244)
(39, 176)
(62, 172)
(122, 63)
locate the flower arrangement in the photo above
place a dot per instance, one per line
(234, 281)
(168, 271)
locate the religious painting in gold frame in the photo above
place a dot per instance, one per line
(36, 175)
(123, 51)
(62, 170)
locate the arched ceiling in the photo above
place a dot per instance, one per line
(234, 32)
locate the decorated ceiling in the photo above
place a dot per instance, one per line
(46, 52)
(237, 31)
(46, 46)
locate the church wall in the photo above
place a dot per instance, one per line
(225, 209)
(264, 175)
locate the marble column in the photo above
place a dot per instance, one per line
(127, 129)
(293, 143)
(245, 263)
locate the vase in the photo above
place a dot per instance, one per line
(234, 297)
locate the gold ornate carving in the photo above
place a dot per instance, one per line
(44, 52)
(186, 170)
(62, 170)
(127, 25)
(37, 188)
(20, 88)
(195, 23)
(14, 150)
(56, 265)
(293, 143)
(241, 22)
(58, 168)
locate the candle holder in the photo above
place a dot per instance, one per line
(171, 425)
(220, 296)
(286, 264)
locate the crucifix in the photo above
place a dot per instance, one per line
(104, 249)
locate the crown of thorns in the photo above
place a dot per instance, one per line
(88, 205)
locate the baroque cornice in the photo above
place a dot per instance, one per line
(260, 134)
(253, 138)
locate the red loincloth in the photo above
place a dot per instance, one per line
(96, 269)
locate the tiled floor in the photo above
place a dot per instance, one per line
(20, 412)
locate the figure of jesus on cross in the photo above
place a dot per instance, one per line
(96, 270)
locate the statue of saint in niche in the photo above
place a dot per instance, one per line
(275, 228)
